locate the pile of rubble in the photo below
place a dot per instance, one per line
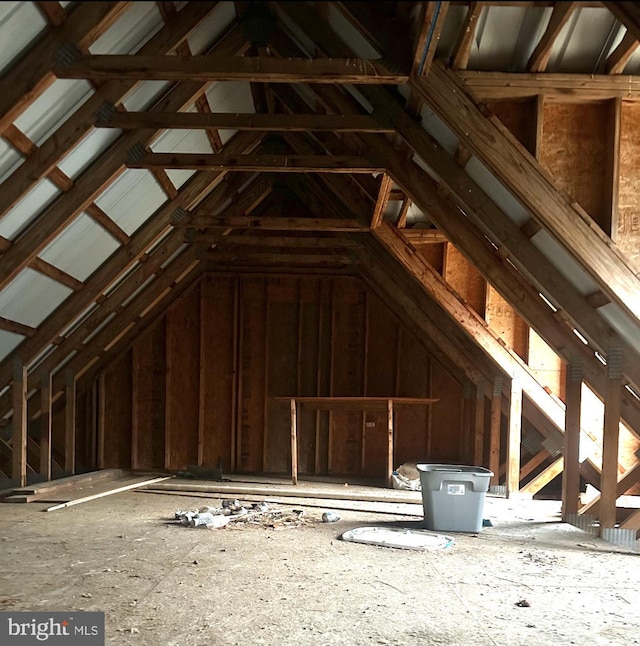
(236, 513)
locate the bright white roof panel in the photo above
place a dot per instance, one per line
(81, 248)
(132, 199)
(10, 159)
(621, 322)
(27, 208)
(93, 145)
(20, 23)
(8, 342)
(30, 297)
(230, 96)
(131, 31)
(183, 141)
(210, 30)
(53, 107)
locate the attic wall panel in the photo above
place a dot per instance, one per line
(504, 321)
(574, 148)
(382, 361)
(433, 254)
(252, 374)
(466, 280)
(347, 376)
(310, 349)
(217, 423)
(148, 393)
(546, 365)
(412, 423)
(282, 370)
(446, 417)
(118, 414)
(629, 196)
(183, 382)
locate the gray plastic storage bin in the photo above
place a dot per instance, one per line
(453, 496)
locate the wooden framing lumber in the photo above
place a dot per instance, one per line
(277, 223)
(248, 121)
(619, 57)
(571, 453)
(206, 69)
(45, 424)
(383, 198)
(70, 422)
(544, 477)
(257, 163)
(294, 443)
(514, 436)
(563, 88)
(128, 487)
(462, 49)
(494, 430)
(19, 422)
(559, 17)
(630, 478)
(16, 328)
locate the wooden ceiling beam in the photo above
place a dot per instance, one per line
(619, 57)
(78, 125)
(16, 327)
(257, 163)
(216, 68)
(628, 14)
(330, 258)
(53, 11)
(33, 72)
(462, 49)
(424, 236)
(278, 223)
(249, 121)
(559, 17)
(262, 241)
(383, 199)
(55, 273)
(564, 88)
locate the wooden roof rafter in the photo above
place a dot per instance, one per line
(561, 14)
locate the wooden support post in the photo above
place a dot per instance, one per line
(571, 475)
(102, 416)
(478, 427)
(609, 478)
(19, 440)
(494, 441)
(70, 423)
(294, 443)
(514, 435)
(613, 167)
(45, 425)
(390, 444)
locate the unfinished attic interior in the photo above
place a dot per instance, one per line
(211, 209)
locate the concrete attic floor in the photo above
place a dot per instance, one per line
(162, 584)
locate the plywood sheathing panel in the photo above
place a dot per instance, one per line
(504, 321)
(149, 368)
(183, 383)
(281, 370)
(465, 279)
(118, 414)
(574, 149)
(434, 255)
(217, 370)
(629, 196)
(348, 373)
(546, 365)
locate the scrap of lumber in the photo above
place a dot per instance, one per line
(400, 509)
(64, 483)
(227, 489)
(109, 492)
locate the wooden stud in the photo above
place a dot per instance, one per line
(612, 185)
(235, 389)
(559, 17)
(478, 425)
(70, 423)
(102, 417)
(571, 475)
(619, 57)
(19, 433)
(390, 442)
(609, 478)
(294, 443)
(494, 438)
(45, 425)
(462, 49)
(514, 433)
(544, 477)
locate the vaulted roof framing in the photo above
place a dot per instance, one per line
(143, 144)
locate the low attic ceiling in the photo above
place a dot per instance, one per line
(143, 143)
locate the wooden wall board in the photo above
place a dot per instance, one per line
(466, 280)
(520, 118)
(574, 149)
(325, 340)
(117, 423)
(281, 370)
(309, 362)
(381, 381)
(183, 381)
(629, 197)
(348, 375)
(504, 321)
(252, 365)
(546, 365)
(217, 378)
(412, 422)
(149, 393)
(446, 417)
